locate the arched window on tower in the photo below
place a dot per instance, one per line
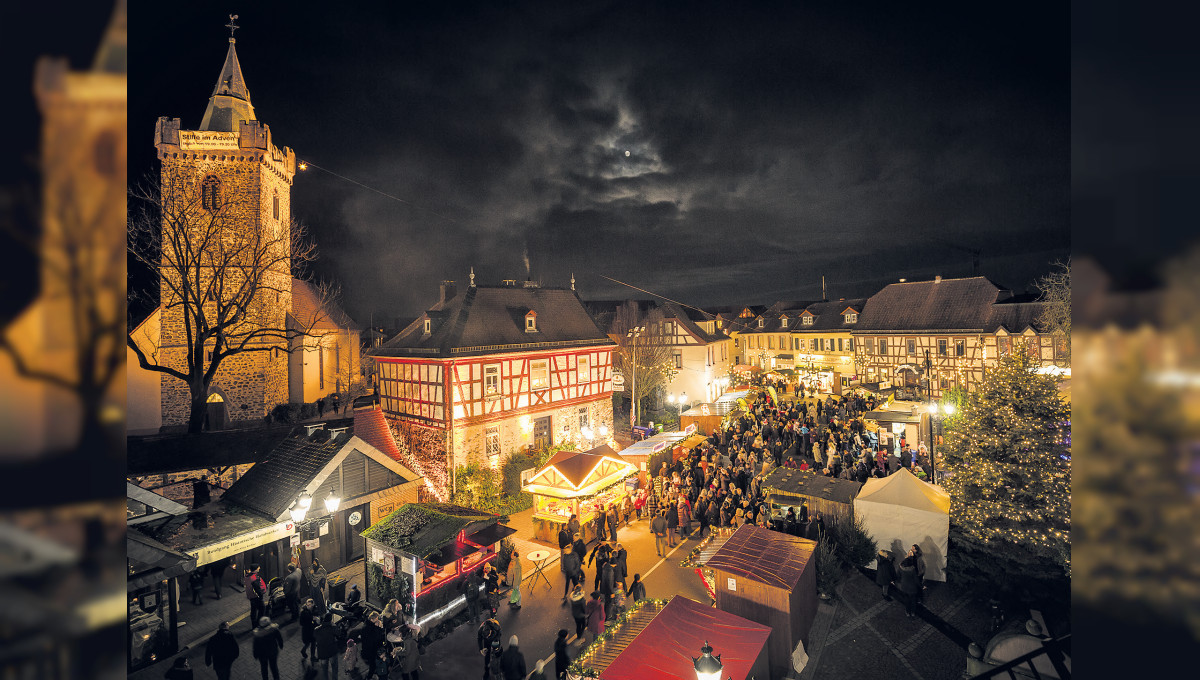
(275, 205)
(210, 193)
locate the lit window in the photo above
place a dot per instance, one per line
(882, 347)
(1002, 343)
(850, 345)
(783, 321)
(492, 445)
(943, 347)
(678, 359)
(491, 380)
(808, 320)
(840, 345)
(770, 342)
(851, 317)
(760, 323)
(428, 326)
(583, 370)
(539, 374)
(531, 322)
(960, 348)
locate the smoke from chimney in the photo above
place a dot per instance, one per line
(525, 256)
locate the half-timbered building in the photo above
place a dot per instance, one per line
(494, 370)
(932, 336)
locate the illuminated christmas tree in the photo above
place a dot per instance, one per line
(1010, 489)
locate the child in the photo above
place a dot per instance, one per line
(382, 664)
(351, 657)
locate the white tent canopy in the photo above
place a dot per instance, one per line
(900, 510)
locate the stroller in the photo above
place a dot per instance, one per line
(276, 602)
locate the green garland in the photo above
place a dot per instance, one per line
(577, 668)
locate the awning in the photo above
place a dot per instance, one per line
(893, 416)
(452, 553)
(153, 561)
(491, 535)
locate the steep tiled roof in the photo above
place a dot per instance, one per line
(1015, 317)
(489, 319)
(946, 305)
(371, 427)
(830, 315)
(272, 485)
(230, 100)
(308, 310)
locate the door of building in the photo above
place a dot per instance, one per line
(354, 521)
(541, 433)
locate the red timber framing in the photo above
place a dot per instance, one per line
(492, 387)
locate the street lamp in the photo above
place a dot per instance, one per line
(633, 334)
(937, 413)
(297, 512)
(707, 666)
(332, 502)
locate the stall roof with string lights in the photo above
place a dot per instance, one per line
(572, 483)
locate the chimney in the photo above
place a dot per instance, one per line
(448, 292)
(937, 279)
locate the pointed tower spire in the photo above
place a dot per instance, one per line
(230, 100)
(112, 55)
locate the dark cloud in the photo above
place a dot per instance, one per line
(710, 152)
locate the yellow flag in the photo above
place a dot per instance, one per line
(771, 391)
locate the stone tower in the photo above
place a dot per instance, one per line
(227, 173)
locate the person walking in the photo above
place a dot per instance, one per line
(308, 627)
(471, 592)
(614, 521)
(885, 572)
(256, 588)
(488, 638)
(337, 402)
(410, 662)
(909, 585)
(216, 571)
(267, 643)
(562, 659)
(620, 566)
(291, 591)
(637, 591)
(317, 579)
(658, 526)
(180, 670)
(572, 571)
(672, 522)
(512, 662)
(326, 636)
(221, 651)
(579, 610)
(196, 585)
(595, 617)
(607, 584)
(514, 578)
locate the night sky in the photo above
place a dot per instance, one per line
(715, 153)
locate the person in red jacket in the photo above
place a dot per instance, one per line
(256, 590)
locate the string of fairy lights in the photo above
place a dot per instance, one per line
(582, 666)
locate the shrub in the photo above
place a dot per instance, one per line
(308, 411)
(504, 554)
(286, 413)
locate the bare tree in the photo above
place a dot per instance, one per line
(1056, 316)
(644, 352)
(83, 274)
(223, 282)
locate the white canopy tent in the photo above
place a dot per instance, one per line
(900, 510)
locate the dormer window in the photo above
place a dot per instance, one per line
(783, 322)
(531, 322)
(851, 317)
(761, 322)
(428, 326)
(808, 320)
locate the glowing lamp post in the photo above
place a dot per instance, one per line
(332, 502)
(937, 413)
(708, 667)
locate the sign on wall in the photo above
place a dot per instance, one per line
(247, 541)
(732, 584)
(618, 381)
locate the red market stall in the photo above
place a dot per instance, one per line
(659, 641)
(575, 482)
(770, 578)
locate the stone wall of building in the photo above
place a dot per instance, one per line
(516, 433)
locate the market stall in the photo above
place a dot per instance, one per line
(649, 453)
(832, 497)
(575, 483)
(900, 510)
(770, 578)
(421, 547)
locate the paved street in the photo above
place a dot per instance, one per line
(856, 636)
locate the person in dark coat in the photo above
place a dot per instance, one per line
(614, 521)
(579, 548)
(579, 610)
(221, 650)
(326, 636)
(562, 660)
(291, 590)
(180, 670)
(637, 591)
(672, 522)
(370, 638)
(909, 584)
(267, 643)
(919, 563)
(196, 585)
(471, 592)
(410, 660)
(488, 638)
(885, 572)
(216, 571)
(572, 571)
(512, 662)
(620, 568)
(256, 590)
(601, 524)
(816, 528)
(308, 626)
(607, 584)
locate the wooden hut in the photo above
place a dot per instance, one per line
(770, 578)
(833, 498)
(659, 641)
(574, 483)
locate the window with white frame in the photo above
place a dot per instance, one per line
(531, 322)
(491, 380)
(808, 320)
(539, 374)
(783, 322)
(760, 323)
(678, 359)
(428, 326)
(851, 317)
(492, 443)
(582, 369)
(812, 344)
(583, 417)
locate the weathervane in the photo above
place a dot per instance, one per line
(232, 25)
